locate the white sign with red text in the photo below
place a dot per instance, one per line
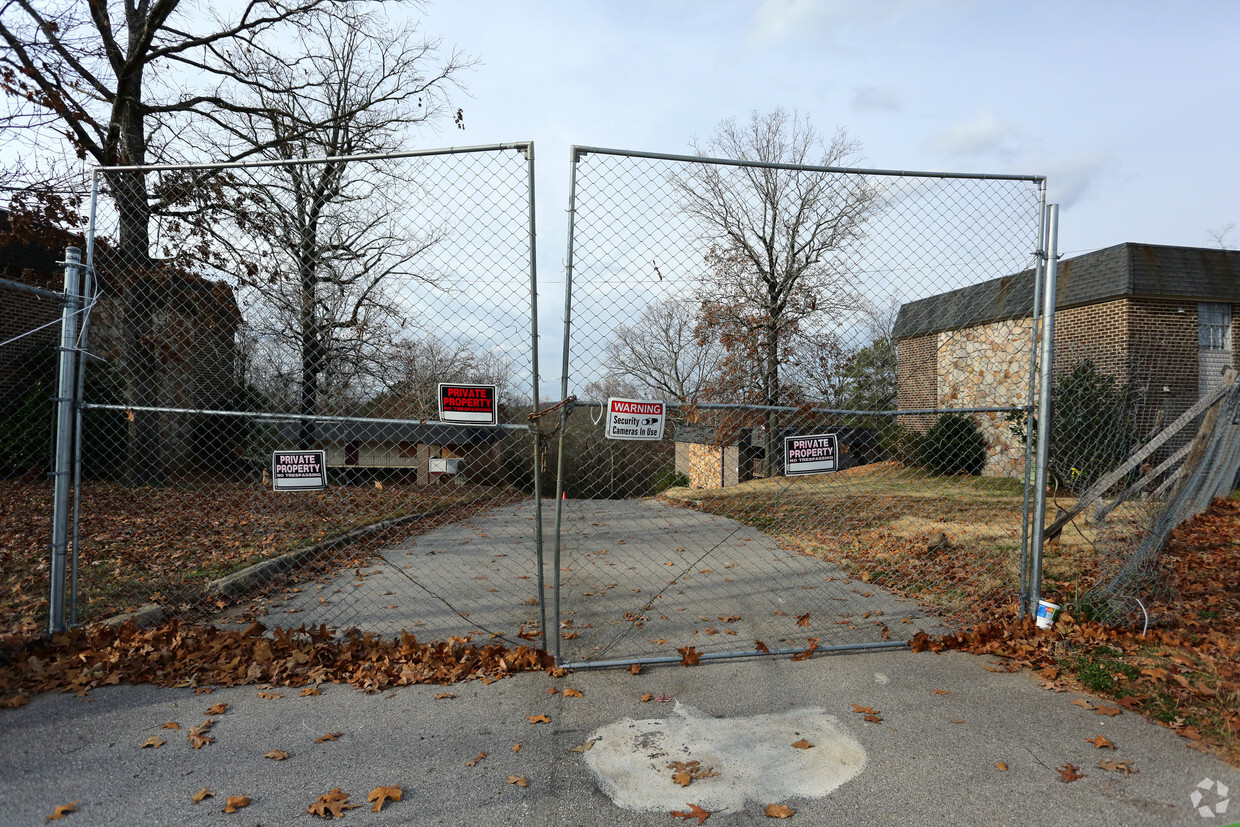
(635, 419)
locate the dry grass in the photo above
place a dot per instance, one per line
(953, 543)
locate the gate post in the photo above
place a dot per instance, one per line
(1044, 405)
(65, 405)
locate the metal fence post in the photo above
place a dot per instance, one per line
(1045, 372)
(1039, 277)
(538, 519)
(65, 393)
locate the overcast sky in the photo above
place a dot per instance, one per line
(1130, 108)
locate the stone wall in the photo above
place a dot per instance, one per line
(988, 366)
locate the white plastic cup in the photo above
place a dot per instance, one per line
(1046, 614)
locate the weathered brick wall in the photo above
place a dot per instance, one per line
(916, 383)
(1162, 362)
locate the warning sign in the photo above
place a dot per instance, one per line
(298, 471)
(467, 404)
(635, 419)
(812, 454)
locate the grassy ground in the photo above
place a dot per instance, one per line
(1183, 672)
(165, 544)
(953, 543)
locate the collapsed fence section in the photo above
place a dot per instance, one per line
(831, 464)
(309, 393)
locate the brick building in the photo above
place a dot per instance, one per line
(1159, 319)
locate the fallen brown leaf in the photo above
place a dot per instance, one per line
(154, 742)
(171, 725)
(803, 620)
(270, 696)
(802, 744)
(779, 811)
(1109, 711)
(380, 795)
(1068, 772)
(635, 669)
(516, 747)
(538, 719)
(686, 772)
(443, 696)
(331, 736)
(573, 693)
(1117, 766)
(476, 759)
(310, 691)
(63, 810)
(519, 780)
(276, 755)
(1100, 742)
(694, 811)
(197, 734)
(1083, 704)
(942, 692)
(1002, 766)
(218, 709)
(235, 802)
(689, 656)
(333, 803)
(761, 647)
(201, 794)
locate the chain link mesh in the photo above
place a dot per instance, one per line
(29, 334)
(305, 307)
(764, 303)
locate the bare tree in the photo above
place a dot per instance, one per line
(662, 353)
(779, 240)
(118, 83)
(416, 367)
(1220, 236)
(319, 244)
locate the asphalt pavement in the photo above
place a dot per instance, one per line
(941, 726)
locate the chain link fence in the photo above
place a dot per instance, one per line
(836, 468)
(30, 328)
(1143, 436)
(262, 429)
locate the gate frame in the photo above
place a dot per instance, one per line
(72, 372)
(1040, 362)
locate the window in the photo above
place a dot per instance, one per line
(1213, 326)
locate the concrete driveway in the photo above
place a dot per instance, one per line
(639, 579)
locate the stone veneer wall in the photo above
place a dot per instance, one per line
(988, 366)
(1150, 343)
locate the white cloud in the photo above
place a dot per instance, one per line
(875, 99)
(982, 133)
(1070, 177)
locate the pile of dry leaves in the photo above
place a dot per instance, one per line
(1184, 673)
(176, 654)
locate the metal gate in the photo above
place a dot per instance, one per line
(842, 462)
(310, 307)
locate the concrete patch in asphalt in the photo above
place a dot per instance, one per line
(753, 756)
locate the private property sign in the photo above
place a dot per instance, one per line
(635, 419)
(298, 471)
(467, 404)
(812, 454)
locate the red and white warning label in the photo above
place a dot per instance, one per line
(467, 404)
(635, 419)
